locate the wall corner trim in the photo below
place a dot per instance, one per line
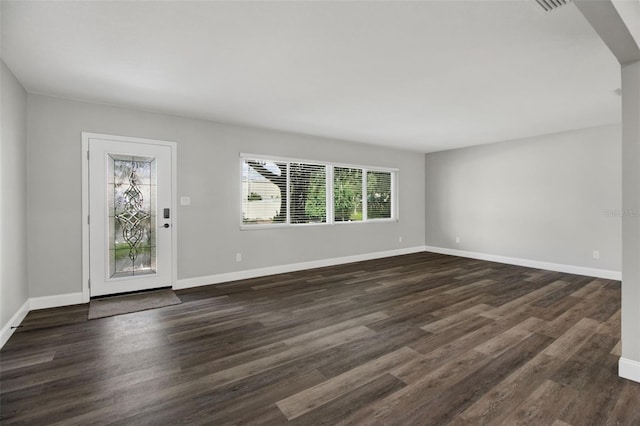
(15, 321)
(283, 269)
(33, 304)
(557, 267)
(629, 369)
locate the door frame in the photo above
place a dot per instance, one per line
(86, 136)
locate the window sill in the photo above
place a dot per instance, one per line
(309, 225)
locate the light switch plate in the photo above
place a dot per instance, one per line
(185, 201)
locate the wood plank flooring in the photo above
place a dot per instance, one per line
(420, 339)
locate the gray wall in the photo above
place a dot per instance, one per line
(631, 222)
(545, 198)
(208, 172)
(13, 202)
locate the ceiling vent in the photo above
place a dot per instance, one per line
(549, 5)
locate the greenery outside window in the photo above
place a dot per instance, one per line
(347, 194)
(308, 193)
(379, 195)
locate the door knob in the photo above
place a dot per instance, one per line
(166, 225)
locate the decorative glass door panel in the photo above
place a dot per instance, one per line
(132, 215)
(130, 243)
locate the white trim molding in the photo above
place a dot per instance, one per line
(34, 304)
(14, 322)
(557, 267)
(629, 369)
(86, 137)
(292, 267)
(55, 301)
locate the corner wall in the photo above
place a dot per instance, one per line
(629, 364)
(209, 232)
(13, 202)
(551, 199)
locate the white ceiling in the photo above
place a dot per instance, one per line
(423, 76)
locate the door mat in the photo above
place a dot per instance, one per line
(118, 305)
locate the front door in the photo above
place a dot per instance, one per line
(130, 215)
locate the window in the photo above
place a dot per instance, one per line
(347, 194)
(308, 193)
(295, 192)
(378, 195)
(264, 186)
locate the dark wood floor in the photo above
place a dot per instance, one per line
(420, 339)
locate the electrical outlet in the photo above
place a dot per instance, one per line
(238, 257)
(458, 240)
(400, 239)
(596, 254)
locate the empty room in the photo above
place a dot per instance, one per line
(320, 212)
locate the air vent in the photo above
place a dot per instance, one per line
(549, 5)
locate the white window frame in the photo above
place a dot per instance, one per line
(329, 168)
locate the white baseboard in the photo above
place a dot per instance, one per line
(33, 304)
(558, 267)
(629, 369)
(292, 267)
(15, 321)
(46, 302)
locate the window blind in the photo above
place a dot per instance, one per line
(297, 192)
(378, 195)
